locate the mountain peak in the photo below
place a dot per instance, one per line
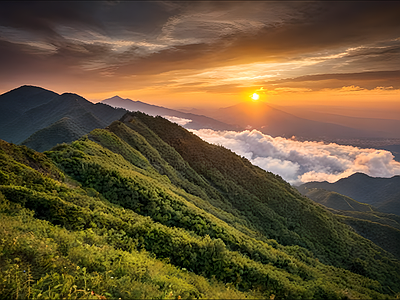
(114, 98)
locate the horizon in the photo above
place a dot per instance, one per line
(207, 54)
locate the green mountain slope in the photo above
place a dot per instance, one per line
(94, 251)
(391, 206)
(63, 131)
(257, 202)
(146, 208)
(365, 189)
(101, 250)
(381, 228)
(334, 200)
(385, 236)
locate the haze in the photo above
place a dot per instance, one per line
(314, 55)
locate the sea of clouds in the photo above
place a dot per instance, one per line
(300, 162)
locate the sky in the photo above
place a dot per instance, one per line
(206, 54)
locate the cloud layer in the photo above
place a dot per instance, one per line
(300, 162)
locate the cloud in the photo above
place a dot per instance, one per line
(179, 121)
(243, 43)
(300, 162)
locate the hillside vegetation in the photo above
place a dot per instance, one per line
(381, 228)
(145, 209)
(382, 193)
(334, 200)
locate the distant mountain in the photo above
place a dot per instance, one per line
(60, 118)
(388, 128)
(275, 122)
(194, 121)
(383, 193)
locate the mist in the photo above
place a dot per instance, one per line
(300, 162)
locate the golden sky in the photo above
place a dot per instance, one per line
(206, 54)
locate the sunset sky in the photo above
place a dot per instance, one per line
(206, 54)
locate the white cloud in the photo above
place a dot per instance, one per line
(179, 121)
(299, 162)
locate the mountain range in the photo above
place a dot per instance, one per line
(41, 119)
(36, 117)
(382, 193)
(276, 122)
(387, 128)
(193, 121)
(143, 208)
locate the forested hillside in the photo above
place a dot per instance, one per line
(381, 228)
(146, 209)
(383, 193)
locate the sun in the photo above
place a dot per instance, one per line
(255, 96)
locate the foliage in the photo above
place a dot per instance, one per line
(129, 216)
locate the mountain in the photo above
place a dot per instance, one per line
(389, 128)
(145, 209)
(28, 109)
(334, 200)
(381, 228)
(383, 193)
(193, 121)
(275, 122)
(63, 131)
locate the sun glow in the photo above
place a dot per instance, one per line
(255, 96)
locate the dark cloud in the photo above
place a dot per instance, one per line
(115, 40)
(102, 15)
(367, 80)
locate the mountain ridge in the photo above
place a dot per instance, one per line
(195, 121)
(36, 108)
(276, 122)
(383, 193)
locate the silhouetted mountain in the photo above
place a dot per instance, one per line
(194, 121)
(383, 193)
(275, 122)
(64, 117)
(386, 128)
